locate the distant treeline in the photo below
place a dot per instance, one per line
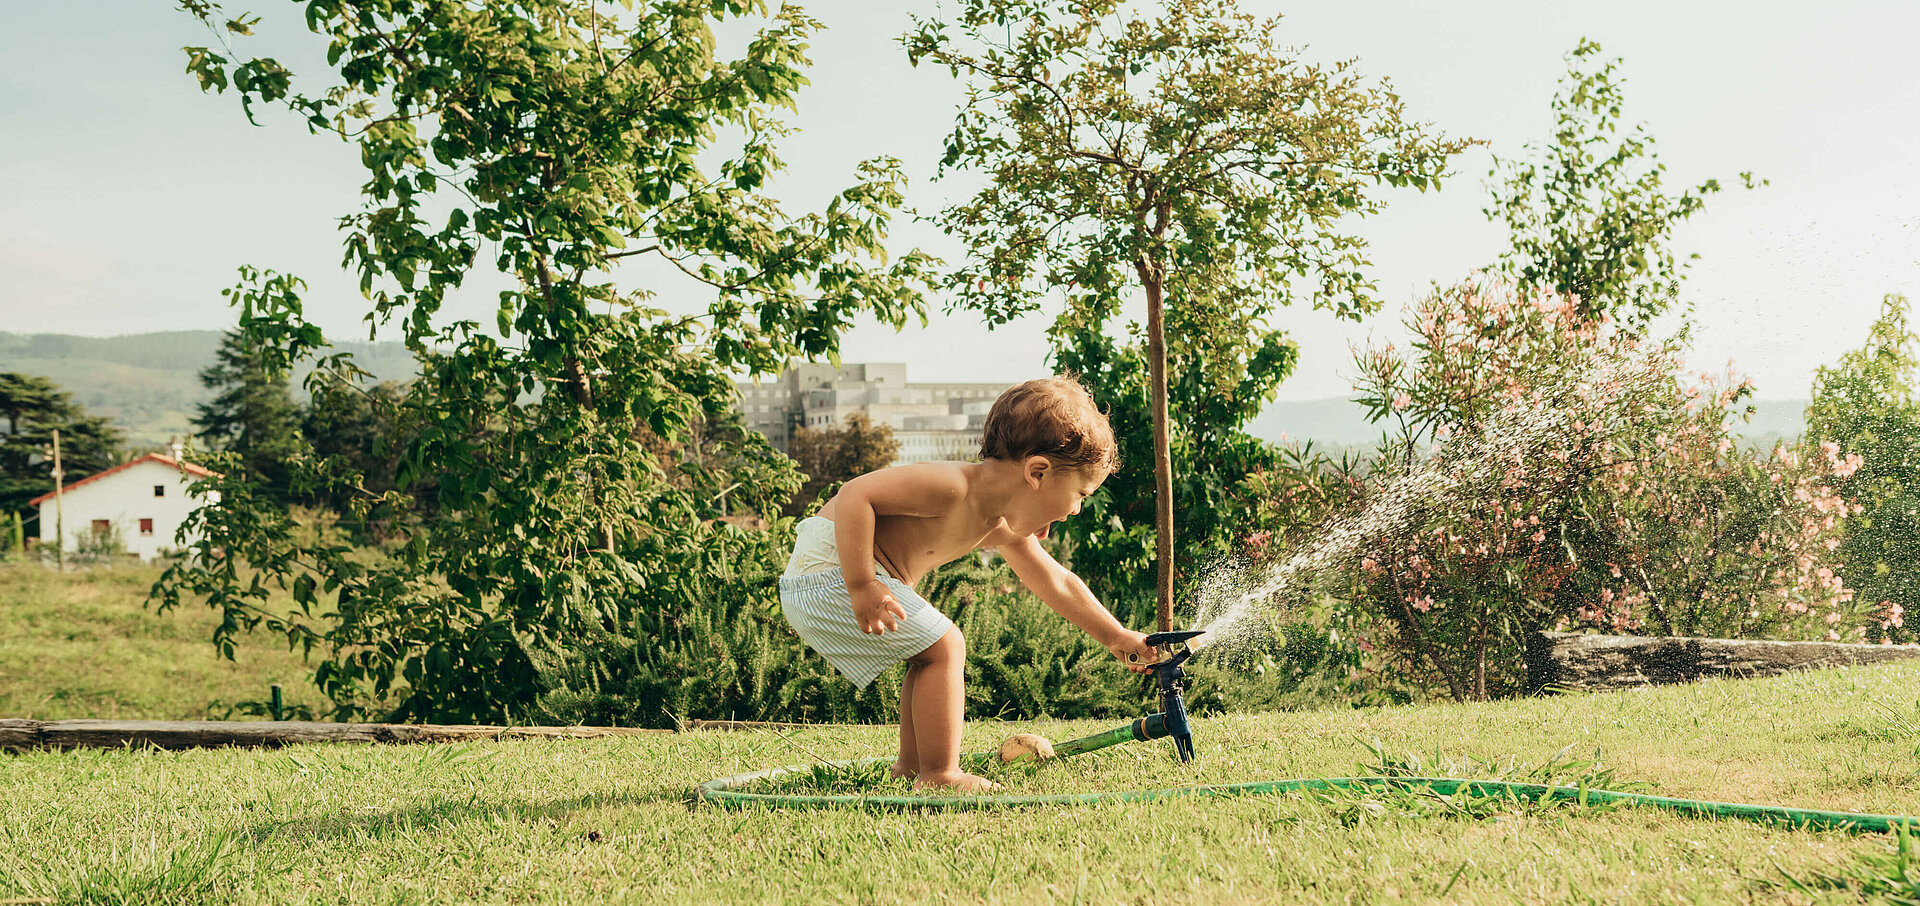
(149, 383)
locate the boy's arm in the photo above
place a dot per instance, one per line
(1070, 597)
(915, 490)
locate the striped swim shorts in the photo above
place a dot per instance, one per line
(821, 611)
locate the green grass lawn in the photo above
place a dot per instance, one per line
(83, 644)
(609, 820)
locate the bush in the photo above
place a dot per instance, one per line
(709, 642)
(1581, 481)
(1864, 404)
(719, 648)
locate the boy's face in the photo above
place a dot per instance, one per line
(1057, 492)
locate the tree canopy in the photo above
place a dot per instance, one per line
(553, 143)
(1185, 157)
(1587, 214)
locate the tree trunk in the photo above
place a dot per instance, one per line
(1596, 663)
(19, 735)
(1152, 276)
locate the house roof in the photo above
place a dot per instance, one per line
(187, 467)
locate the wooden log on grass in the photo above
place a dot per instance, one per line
(20, 735)
(1598, 663)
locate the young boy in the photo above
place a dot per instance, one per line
(848, 590)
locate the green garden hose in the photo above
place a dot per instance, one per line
(726, 791)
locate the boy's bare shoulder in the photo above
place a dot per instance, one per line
(946, 481)
(916, 489)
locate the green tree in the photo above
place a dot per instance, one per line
(364, 425)
(252, 414)
(833, 455)
(34, 408)
(1587, 214)
(564, 142)
(1187, 155)
(1864, 404)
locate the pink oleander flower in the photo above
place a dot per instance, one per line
(1401, 401)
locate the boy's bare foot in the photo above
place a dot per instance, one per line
(900, 770)
(958, 782)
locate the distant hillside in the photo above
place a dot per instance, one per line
(149, 384)
(1335, 423)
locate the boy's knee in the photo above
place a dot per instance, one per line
(951, 646)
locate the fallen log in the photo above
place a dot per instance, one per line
(18, 734)
(1597, 663)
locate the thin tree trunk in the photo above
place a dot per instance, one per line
(1480, 658)
(1153, 278)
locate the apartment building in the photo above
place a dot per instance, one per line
(930, 421)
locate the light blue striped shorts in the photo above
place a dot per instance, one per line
(821, 611)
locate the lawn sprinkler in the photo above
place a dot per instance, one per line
(1170, 722)
(1168, 675)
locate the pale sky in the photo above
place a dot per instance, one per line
(127, 198)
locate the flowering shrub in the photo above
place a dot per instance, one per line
(1864, 404)
(1547, 471)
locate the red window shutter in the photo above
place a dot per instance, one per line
(146, 526)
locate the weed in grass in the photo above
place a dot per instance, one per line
(146, 872)
(828, 779)
(1353, 807)
(1556, 770)
(1897, 725)
(1888, 877)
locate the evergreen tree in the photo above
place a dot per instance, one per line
(33, 408)
(252, 415)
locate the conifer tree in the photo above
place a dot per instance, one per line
(32, 409)
(252, 415)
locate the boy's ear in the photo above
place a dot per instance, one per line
(1037, 468)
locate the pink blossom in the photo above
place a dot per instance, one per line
(1401, 401)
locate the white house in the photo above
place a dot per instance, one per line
(143, 501)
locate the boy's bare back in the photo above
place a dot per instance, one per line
(928, 514)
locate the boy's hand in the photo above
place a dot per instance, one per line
(1132, 650)
(875, 610)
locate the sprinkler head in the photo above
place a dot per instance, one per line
(1164, 640)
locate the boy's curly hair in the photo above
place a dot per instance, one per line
(1053, 417)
